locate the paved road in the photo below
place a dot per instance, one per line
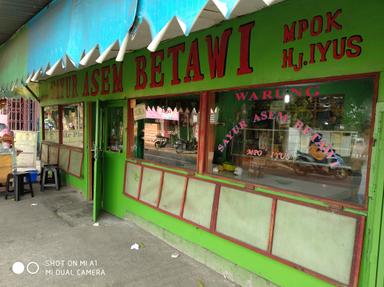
(54, 231)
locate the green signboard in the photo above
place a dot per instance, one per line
(294, 40)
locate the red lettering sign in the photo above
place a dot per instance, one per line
(117, 78)
(245, 42)
(95, 82)
(217, 55)
(175, 51)
(141, 75)
(105, 80)
(193, 64)
(156, 69)
(337, 49)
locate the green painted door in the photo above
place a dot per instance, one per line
(376, 215)
(97, 154)
(372, 269)
(114, 151)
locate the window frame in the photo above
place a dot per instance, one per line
(331, 202)
(43, 124)
(206, 100)
(130, 134)
(60, 144)
(61, 111)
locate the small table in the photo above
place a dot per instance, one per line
(18, 179)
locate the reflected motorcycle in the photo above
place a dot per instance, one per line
(332, 166)
(182, 145)
(160, 141)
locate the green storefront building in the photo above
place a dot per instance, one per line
(258, 139)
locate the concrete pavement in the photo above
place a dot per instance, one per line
(53, 236)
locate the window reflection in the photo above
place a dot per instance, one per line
(51, 124)
(115, 129)
(311, 138)
(167, 131)
(73, 125)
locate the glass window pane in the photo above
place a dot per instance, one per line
(168, 131)
(115, 129)
(73, 125)
(309, 138)
(51, 124)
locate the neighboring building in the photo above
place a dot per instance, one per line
(21, 114)
(259, 138)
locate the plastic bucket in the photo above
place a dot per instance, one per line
(33, 175)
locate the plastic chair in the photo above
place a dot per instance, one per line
(47, 180)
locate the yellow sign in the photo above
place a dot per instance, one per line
(139, 112)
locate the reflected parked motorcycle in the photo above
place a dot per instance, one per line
(182, 145)
(332, 166)
(160, 141)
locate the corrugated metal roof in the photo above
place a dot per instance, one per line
(15, 13)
